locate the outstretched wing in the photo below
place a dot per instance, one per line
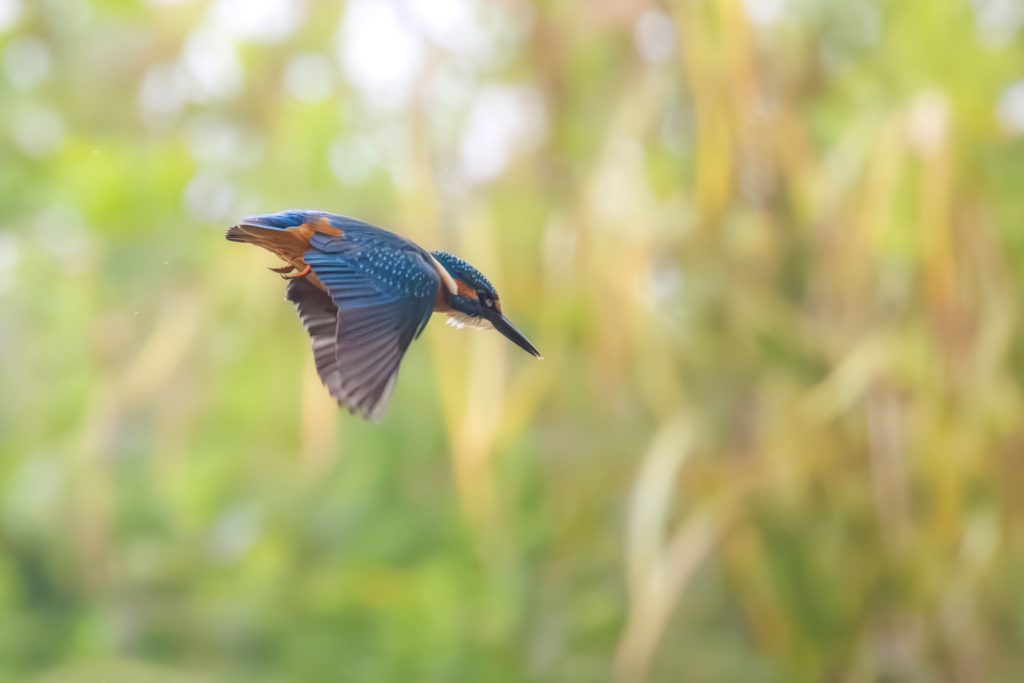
(384, 289)
(319, 316)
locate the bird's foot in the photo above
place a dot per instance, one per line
(302, 273)
(286, 273)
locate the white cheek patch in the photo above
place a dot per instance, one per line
(446, 278)
(460, 320)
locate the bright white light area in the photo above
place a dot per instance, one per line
(209, 196)
(998, 20)
(213, 140)
(620, 191)
(665, 284)
(265, 21)
(27, 63)
(453, 24)
(442, 20)
(309, 78)
(38, 131)
(10, 254)
(212, 63)
(928, 121)
(380, 51)
(164, 90)
(10, 12)
(67, 237)
(764, 12)
(351, 160)
(654, 36)
(1010, 109)
(502, 120)
(451, 86)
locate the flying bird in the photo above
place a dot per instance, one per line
(363, 294)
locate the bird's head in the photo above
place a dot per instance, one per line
(476, 303)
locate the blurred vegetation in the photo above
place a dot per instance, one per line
(771, 250)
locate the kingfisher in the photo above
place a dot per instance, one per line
(364, 293)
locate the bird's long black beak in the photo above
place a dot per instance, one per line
(502, 324)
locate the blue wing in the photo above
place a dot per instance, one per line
(294, 218)
(319, 316)
(384, 288)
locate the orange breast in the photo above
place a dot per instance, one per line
(441, 301)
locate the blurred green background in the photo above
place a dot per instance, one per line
(771, 250)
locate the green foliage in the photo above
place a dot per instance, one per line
(769, 250)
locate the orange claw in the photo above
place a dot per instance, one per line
(302, 273)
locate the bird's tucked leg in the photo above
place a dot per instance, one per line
(302, 273)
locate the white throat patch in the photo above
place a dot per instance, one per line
(460, 320)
